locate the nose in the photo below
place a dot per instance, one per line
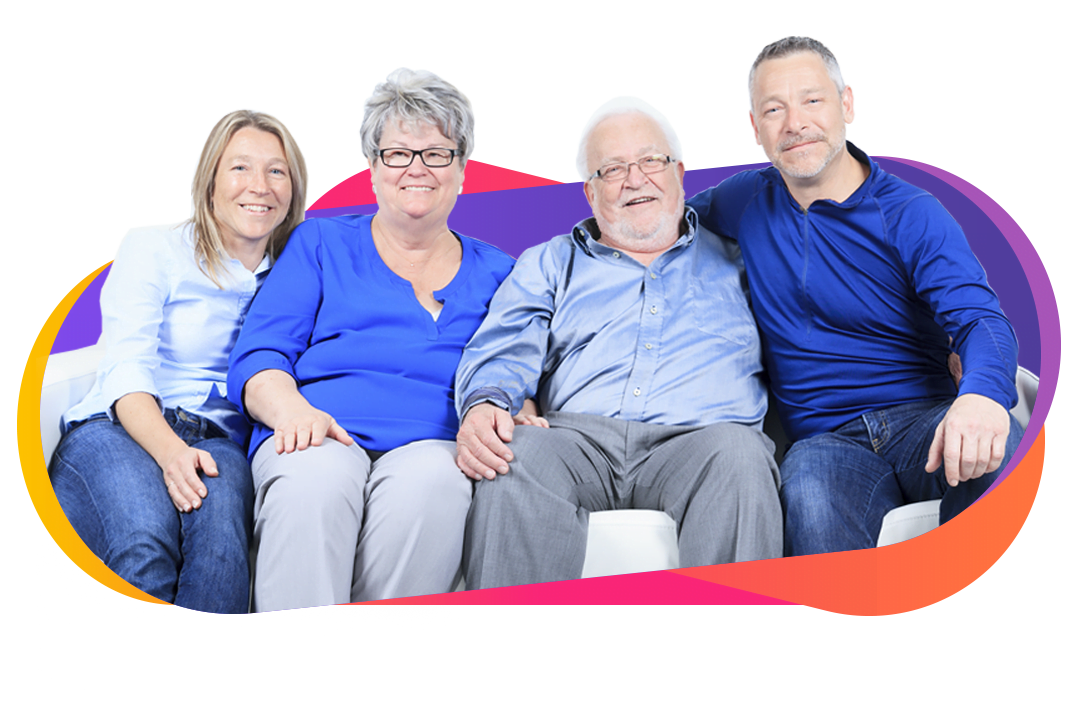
(416, 166)
(635, 176)
(259, 184)
(795, 120)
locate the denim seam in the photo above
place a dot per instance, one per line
(867, 507)
(884, 435)
(58, 458)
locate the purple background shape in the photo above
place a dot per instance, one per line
(518, 219)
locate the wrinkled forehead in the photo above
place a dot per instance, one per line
(626, 137)
(801, 71)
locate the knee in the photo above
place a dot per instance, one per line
(741, 454)
(503, 492)
(807, 497)
(144, 543)
(319, 482)
(422, 476)
(230, 492)
(547, 443)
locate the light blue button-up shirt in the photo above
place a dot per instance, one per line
(168, 328)
(585, 328)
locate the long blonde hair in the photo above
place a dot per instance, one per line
(208, 237)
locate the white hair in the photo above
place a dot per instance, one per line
(623, 106)
(417, 96)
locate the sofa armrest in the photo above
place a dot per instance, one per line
(69, 376)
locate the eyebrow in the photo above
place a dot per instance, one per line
(248, 158)
(817, 90)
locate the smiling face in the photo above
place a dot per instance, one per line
(416, 192)
(640, 213)
(799, 116)
(252, 188)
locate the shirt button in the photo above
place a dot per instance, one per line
(638, 392)
(653, 276)
(649, 346)
(615, 255)
(653, 309)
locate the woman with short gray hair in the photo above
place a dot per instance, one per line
(347, 360)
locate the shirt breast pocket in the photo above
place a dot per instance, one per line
(723, 311)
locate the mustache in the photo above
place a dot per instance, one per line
(785, 145)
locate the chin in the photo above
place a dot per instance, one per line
(645, 238)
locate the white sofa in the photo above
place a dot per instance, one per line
(629, 541)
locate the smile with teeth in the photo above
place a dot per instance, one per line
(257, 208)
(639, 201)
(412, 188)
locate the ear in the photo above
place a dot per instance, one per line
(680, 172)
(589, 190)
(847, 104)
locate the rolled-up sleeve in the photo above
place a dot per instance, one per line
(278, 327)
(504, 360)
(132, 302)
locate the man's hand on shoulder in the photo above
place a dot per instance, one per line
(481, 442)
(970, 440)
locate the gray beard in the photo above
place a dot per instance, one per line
(625, 236)
(805, 174)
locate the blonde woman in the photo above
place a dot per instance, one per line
(150, 471)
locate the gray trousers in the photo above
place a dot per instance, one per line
(331, 526)
(718, 482)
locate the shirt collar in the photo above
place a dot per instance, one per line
(586, 233)
(264, 265)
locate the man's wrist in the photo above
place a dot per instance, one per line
(491, 395)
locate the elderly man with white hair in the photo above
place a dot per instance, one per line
(634, 336)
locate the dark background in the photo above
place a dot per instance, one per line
(114, 153)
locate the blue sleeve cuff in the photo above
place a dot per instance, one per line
(992, 384)
(488, 394)
(243, 370)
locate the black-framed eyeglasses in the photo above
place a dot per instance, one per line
(403, 157)
(618, 171)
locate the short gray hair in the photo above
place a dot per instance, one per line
(791, 46)
(417, 96)
(624, 106)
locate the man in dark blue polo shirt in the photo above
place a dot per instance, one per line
(862, 286)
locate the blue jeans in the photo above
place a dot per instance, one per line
(837, 487)
(114, 495)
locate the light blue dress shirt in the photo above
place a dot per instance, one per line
(168, 328)
(584, 328)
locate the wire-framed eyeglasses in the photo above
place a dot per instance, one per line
(403, 157)
(618, 171)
